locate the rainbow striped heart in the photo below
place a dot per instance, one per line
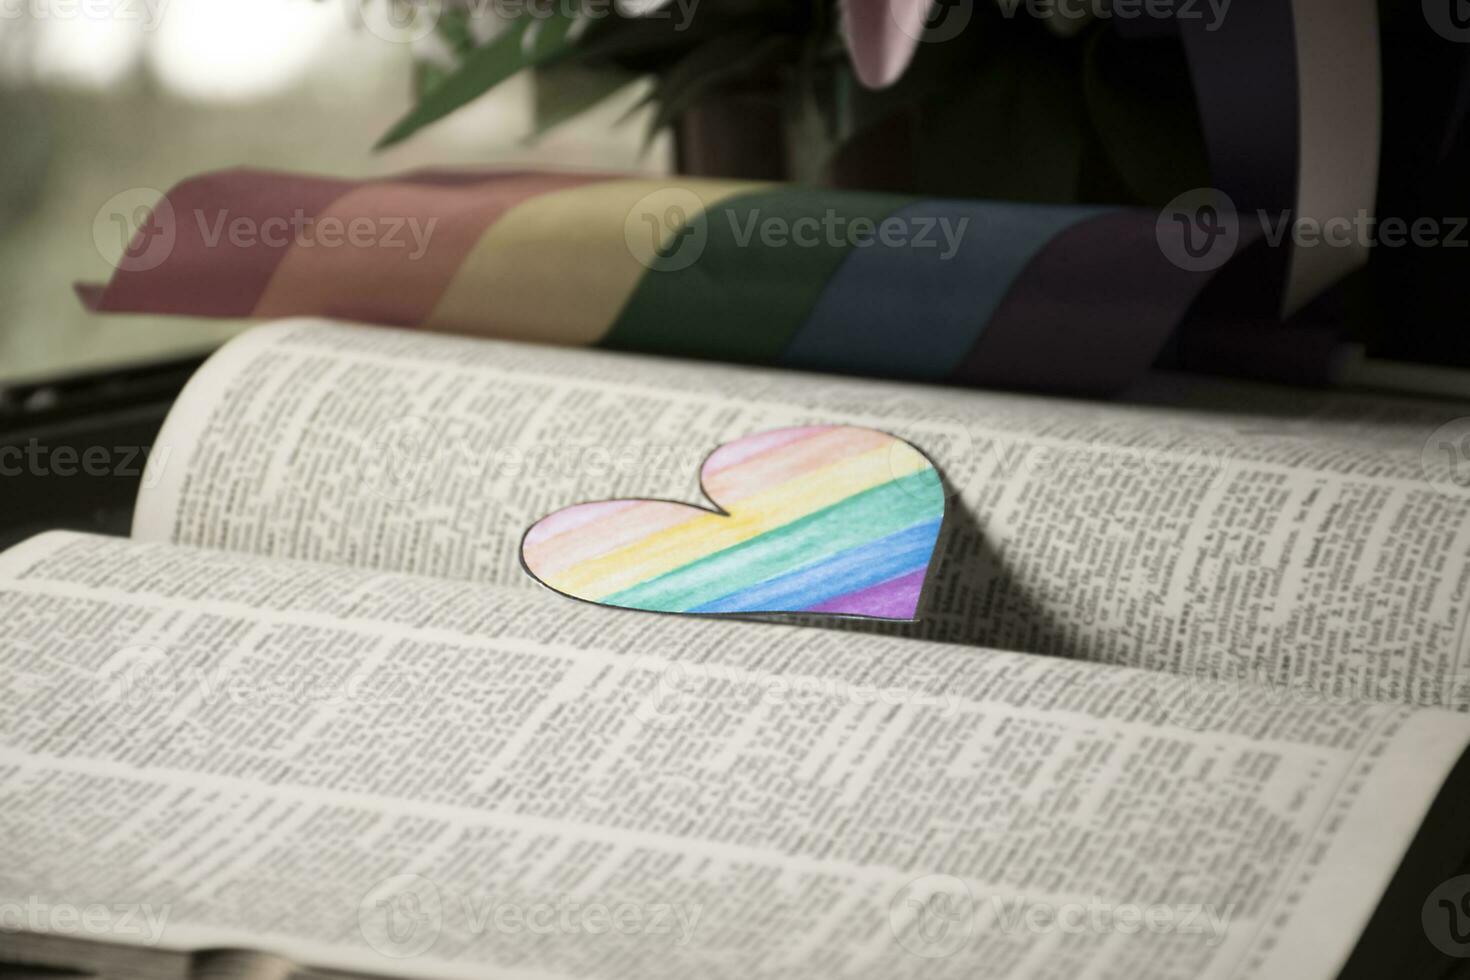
(825, 519)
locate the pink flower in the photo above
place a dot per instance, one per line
(882, 35)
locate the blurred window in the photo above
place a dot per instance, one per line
(102, 98)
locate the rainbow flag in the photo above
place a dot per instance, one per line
(1050, 297)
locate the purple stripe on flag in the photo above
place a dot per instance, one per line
(897, 598)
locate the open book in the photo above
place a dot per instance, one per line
(1186, 701)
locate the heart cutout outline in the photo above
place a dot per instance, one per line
(825, 520)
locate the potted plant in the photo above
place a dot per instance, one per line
(976, 98)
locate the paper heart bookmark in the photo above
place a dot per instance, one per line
(826, 519)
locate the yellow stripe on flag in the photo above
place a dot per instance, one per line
(558, 268)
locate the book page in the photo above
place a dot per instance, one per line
(419, 777)
(1322, 558)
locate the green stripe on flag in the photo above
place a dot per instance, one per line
(766, 259)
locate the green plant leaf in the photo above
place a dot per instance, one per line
(712, 64)
(548, 37)
(516, 48)
(454, 28)
(426, 75)
(636, 44)
(654, 43)
(566, 89)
